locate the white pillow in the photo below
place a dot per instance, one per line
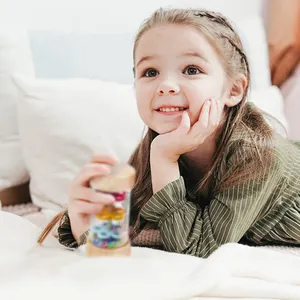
(15, 56)
(64, 122)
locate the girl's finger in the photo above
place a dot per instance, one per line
(205, 112)
(84, 207)
(90, 195)
(106, 159)
(214, 114)
(221, 108)
(184, 125)
(200, 126)
(89, 171)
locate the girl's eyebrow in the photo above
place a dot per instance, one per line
(145, 58)
(195, 54)
(186, 54)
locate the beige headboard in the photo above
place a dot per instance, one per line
(15, 195)
(283, 30)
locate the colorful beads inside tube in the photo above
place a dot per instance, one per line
(107, 228)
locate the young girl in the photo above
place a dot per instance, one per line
(210, 170)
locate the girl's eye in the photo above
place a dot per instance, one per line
(150, 73)
(191, 71)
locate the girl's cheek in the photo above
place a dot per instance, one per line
(143, 90)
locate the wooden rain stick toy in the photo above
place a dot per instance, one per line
(109, 229)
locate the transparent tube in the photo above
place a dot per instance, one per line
(109, 229)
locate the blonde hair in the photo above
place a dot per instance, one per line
(222, 36)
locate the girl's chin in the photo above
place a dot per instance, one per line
(167, 131)
(164, 130)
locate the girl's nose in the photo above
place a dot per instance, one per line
(168, 88)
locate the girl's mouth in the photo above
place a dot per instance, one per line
(171, 110)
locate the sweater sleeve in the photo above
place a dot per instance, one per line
(65, 235)
(186, 228)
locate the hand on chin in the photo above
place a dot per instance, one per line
(173, 142)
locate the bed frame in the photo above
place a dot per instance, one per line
(15, 195)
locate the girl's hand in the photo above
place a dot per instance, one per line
(185, 139)
(84, 201)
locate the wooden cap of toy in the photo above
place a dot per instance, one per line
(94, 251)
(120, 179)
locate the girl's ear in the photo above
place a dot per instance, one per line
(237, 91)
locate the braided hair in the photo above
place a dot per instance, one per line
(220, 19)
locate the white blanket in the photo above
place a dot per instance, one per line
(30, 271)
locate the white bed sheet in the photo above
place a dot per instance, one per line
(233, 271)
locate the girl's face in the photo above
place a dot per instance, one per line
(176, 69)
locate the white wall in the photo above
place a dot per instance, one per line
(109, 15)
(112, 15)
(114, 23)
